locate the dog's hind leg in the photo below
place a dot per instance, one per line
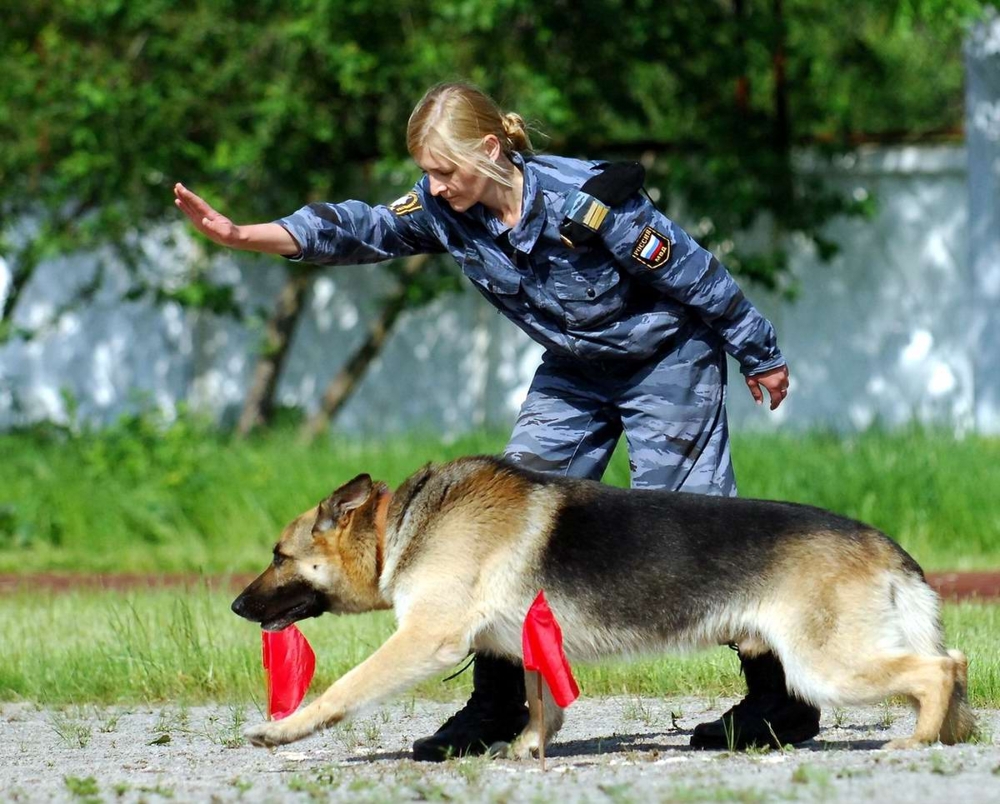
(411, 655)
(928, 681)
(529, 741)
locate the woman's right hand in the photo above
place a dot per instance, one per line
(214, 225)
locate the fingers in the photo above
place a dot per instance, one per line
(192, 205)
(777, 391)
(182, 199)
(776, 383)
(218, 228)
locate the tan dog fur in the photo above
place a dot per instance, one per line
(461, 555)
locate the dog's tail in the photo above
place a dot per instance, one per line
(960, 723)
(918, 619)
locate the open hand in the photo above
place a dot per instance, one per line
(214, 225)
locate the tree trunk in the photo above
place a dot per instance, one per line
(259, 405)
(20, 274)
(346, 381)
(23, 263)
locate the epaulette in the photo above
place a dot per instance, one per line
(587, 208)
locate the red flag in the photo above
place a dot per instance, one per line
(541, 642)
(289, 664)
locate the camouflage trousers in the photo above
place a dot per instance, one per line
(672, 412)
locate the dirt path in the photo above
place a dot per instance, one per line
(611, 750)
(950, 585)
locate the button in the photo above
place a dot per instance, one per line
(590, 293)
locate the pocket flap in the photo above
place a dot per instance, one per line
(497, 280)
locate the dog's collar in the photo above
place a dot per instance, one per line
(381, 515)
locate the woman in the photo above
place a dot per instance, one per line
(635, 324)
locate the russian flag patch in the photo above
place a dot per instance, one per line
(652, 249)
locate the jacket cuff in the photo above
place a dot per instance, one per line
(763, 366)
(288, 224)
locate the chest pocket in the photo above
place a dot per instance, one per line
(590, 295)
(492, 282)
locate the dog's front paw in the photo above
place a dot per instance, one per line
(268, 735)
(904, 743)
(525, 746)
(499, 750)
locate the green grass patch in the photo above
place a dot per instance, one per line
(143, 496)
(187, 647)
(933, 493)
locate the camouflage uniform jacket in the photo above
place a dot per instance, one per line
(639, 292)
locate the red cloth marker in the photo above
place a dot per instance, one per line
(541, 642)
(289, 664)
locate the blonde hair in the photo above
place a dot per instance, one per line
(452, 119)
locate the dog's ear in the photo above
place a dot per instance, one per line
(348, 497)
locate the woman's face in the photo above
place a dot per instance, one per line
(460, 186)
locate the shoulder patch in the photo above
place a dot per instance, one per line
(405, 205)
(652, 249)
(586, 210)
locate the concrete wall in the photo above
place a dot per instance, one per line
(879, 334)
(982, 58)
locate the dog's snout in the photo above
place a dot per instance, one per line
(240, 607)
(248, 605)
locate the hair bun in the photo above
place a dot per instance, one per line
(514, 128)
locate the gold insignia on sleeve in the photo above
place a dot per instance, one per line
(652, 249)
(405, 205)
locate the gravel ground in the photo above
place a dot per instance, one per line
(611, 750)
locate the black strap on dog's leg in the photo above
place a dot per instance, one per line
(462, 669)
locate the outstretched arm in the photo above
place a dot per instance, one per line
(267, 238)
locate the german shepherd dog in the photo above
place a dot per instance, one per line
(461, 549)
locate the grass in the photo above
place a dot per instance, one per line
(113, 648)
(142, 496)
(145, 497)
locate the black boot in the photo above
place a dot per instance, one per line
(496, 712)
(767, 716)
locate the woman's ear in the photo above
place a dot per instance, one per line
(492, 145)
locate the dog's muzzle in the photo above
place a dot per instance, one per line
(276, 609)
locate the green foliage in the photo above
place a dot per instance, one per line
(84, 788)
(262, 107)
(931, 492)
(104, 105)
(145, 495)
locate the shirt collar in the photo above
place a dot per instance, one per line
(525, 234)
